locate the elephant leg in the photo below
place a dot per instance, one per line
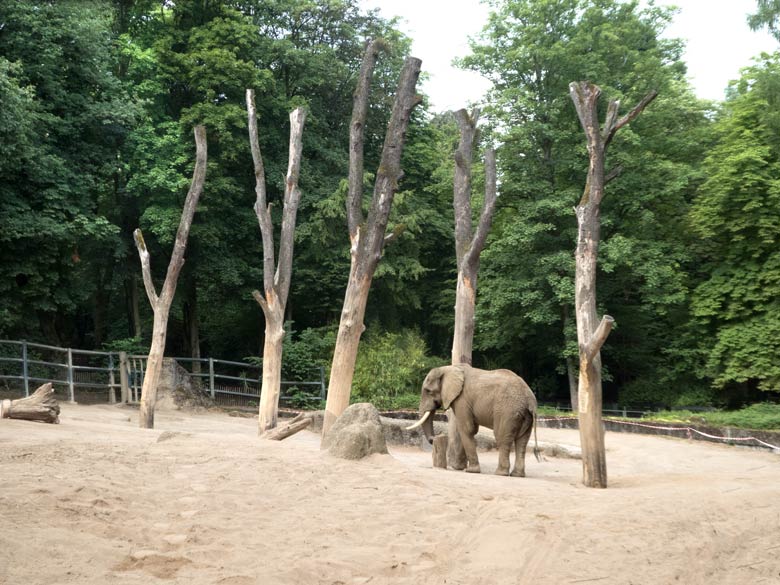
(468, 428)
(505, 444)
(456, 455)
(521, 442)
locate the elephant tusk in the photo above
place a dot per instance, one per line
(419, 422)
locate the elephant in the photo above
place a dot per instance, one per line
(497, 399)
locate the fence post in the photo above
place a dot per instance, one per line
(71, 391)
(25, 371)
(111, 380)
(123, 385)
(211, 377)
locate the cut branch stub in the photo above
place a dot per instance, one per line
(599, 337)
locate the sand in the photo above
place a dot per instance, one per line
(200, 500)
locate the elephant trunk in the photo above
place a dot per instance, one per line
(427, 426)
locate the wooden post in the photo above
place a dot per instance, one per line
(111, 380)
(123, 385)
(211, 378)
(25, 370)
(71, 389)
(440, 451)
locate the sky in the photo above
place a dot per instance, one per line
(719, 43)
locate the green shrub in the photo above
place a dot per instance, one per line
(304, 353)
(390, 369)
(764, 416)
(131, 345)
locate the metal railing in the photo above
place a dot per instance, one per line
(95, 376)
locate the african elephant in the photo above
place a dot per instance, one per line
(497, 399)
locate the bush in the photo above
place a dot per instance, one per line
(131, 345)
(390, 369)
(764, 416)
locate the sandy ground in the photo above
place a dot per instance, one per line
(199, 500)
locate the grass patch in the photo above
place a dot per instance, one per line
(763, 416)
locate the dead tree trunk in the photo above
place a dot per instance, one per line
(276, 275)
(592, 333)
(161, 305)
(467, 250)
(40, 406)
(367, 236)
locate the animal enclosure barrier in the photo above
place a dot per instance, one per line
(94, 377)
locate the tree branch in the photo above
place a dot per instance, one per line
(292, 197)
(488, 208)
(613, 174)
(262, 208)
(389, 172)
(461, 202)
(356, 132)
(599, 337)
(637, 109)
(187, 214)
(260, 301)
(146, 269)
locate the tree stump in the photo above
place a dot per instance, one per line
(440, 451)
(40, 406)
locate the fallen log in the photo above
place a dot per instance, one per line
(297, 424)
(40, 406)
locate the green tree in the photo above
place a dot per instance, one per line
(737, 215)
(64, 113)
(532, 50)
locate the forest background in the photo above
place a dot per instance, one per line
(99, 98)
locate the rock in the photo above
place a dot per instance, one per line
(177, 390)
(357, 433)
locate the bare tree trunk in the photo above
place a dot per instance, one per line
(272, 366)
(192, 326)
(467, 250)
(276, 277)
(347, 342)
(367, 236)
(135, 306)
(592, 333)
(570, 369)
(571, 374)
(161, 304)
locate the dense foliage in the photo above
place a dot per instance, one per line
(98, 101)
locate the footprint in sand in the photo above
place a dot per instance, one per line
(152, 562)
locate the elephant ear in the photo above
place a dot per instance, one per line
(451, 384)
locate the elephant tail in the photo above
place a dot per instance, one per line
(537, 451)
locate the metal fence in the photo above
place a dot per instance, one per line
(92, 377)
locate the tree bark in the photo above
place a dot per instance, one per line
(592, 332)
(161, 304)
(367, 237)
(296, 425)
(40, 406)
(467, 251)
(276, 276)
(192, 326)
(439, 452)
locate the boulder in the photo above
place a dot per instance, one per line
(357, 433)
